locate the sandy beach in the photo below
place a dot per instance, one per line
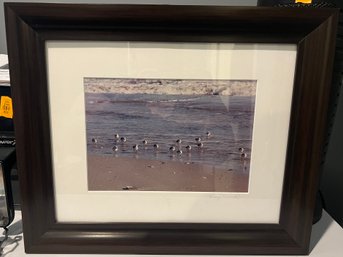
(125, 173)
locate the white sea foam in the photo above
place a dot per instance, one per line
(171, 86)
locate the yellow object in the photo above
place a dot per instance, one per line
(303, 1)
(6, 109)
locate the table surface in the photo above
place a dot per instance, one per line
(326, 240)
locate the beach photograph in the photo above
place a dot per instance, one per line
(169, 134)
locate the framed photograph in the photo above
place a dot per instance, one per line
(169, 129)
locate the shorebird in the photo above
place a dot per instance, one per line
(179, 141)
(156, 146)
(200, 145)
(244, 155)
(135, 147)
(128, 188)
(144, 142)
(188, 147)
(94, 140)
(116, 136)
(115, 148)
(208, 133)
(179, 152)
(198, 139)
(241, 149)
(123, 139)
(172, 148)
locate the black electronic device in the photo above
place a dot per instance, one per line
(7, 158)
(298, 3)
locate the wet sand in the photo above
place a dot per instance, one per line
(108, 173)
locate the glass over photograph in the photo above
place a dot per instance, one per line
(169, 134)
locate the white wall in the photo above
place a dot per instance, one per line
(3, 48)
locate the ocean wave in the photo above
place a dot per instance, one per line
(170, 86)
(174, 100)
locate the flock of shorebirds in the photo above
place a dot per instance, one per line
(175, 147)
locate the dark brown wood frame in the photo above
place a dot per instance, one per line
(30, 25)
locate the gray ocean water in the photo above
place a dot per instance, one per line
(162, 119)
